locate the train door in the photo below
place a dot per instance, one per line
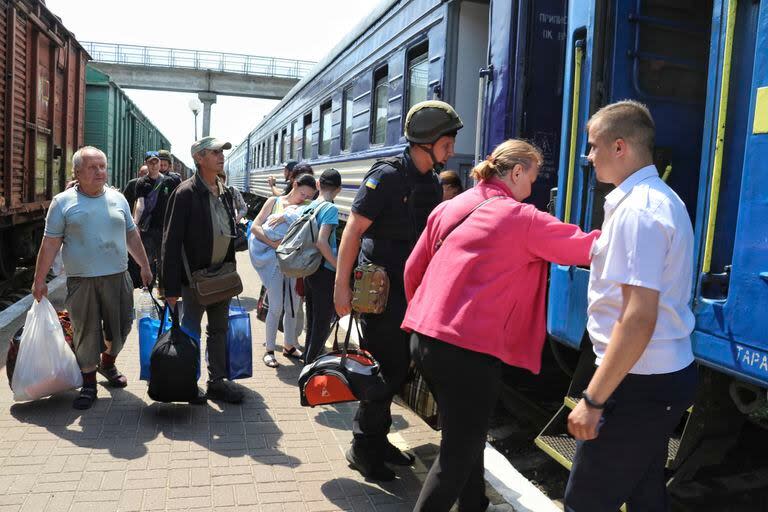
(468, 52)
(653, 51)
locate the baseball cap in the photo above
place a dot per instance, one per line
(209, 143)
(331, 177)
(149, 155)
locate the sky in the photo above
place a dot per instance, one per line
(293, 29)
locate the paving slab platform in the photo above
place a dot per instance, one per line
(129, 453)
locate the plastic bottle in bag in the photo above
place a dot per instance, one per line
(145, 307)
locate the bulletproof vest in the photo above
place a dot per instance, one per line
(406, 216)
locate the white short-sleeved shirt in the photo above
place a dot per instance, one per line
(93, 230)
(647, 241)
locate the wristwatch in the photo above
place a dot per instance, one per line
(591, 403)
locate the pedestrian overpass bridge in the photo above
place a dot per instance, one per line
(203, 72)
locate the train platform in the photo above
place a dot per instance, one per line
(129, 453)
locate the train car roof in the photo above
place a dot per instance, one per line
(359, 29)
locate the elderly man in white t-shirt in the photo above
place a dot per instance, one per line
(639, 322)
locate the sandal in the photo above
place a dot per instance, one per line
(113, 376)
(293, 352)
(85, 399)
(269, 360)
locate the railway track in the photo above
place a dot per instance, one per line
(17, 287)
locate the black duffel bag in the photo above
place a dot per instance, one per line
(174, 364)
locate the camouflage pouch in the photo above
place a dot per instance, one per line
(371, 289)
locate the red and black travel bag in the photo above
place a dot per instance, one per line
(344, 375)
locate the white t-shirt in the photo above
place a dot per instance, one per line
(647, 241)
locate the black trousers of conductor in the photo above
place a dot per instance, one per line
(389, 345)
(625, 463)
(320, 311)
(466, 386)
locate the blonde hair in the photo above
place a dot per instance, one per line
(629, 120)
(505, 157)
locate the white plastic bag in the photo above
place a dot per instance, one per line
(45, 364)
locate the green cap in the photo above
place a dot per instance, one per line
(209, 143)
(164, 154)
(429, 120)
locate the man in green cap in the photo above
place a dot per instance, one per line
(200, 224)
(388, 214)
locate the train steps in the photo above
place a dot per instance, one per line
(556, 442)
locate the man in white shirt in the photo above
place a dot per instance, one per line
(639, 323)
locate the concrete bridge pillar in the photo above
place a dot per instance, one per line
(208, 99)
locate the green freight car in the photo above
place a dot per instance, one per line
(114, 124)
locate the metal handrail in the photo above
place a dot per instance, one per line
(578, 57)
(717, 166)
(196, 59)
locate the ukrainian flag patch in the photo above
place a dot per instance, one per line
(372, 183)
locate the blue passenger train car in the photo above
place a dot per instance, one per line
(702, 69)
(350, 109)
(537, 69)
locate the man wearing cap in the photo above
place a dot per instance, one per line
(152, 192)
(319, 286)
(199, 227)
(166, 164)
(287, 171)
(389, 213)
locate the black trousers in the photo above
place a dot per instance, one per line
(466, 387)
(625, 463)
(389, 345)
(320, 311)
(152, 241)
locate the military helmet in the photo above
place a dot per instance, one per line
(429, 120)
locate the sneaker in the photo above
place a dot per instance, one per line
(369, 469)
(224, 391)
(393, 455)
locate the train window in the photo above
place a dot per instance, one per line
(347, 101)
(306, 153)
(418, 71)
(275, 151)
(379, 110)
(256, 156)
(296, 143)
(326, 123)
(284, 144)
(671, 50)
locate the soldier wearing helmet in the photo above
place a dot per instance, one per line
(388, 215)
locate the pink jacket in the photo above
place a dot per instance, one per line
(485, 289)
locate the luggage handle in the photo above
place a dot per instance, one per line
(347, 337)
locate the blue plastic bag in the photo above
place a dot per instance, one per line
(149, 331)
(239, 346)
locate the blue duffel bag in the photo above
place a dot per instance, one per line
(239, 346)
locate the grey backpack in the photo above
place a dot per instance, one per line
(297, 254)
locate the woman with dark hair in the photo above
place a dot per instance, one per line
(281, 290)
(451, 183)
(491, 312)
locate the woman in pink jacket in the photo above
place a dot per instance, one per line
(491, 310)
